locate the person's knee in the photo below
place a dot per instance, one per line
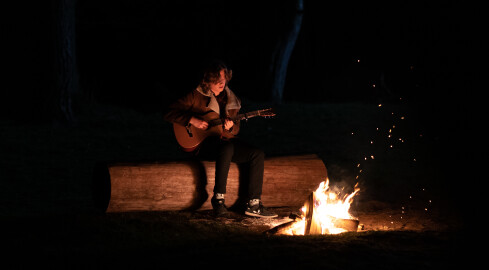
(258, 155)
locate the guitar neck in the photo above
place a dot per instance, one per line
(247, 115)
(219, 121)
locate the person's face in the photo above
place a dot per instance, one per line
(218, 86)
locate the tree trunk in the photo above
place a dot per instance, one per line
(66, 77)
(282, 53)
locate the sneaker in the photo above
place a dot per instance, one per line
(219, 207)
(258, 210)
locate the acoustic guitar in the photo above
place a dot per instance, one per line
(190, 137)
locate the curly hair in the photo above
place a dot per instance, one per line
(212, 74)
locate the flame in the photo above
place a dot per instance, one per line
(328, 206)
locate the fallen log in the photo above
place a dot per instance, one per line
(188, 184)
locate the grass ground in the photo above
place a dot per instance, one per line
(45, 201)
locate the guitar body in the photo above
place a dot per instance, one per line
(189, 138)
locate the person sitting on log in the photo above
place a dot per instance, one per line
(213, 97)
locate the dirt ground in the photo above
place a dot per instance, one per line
(145, 240)
(373, 216)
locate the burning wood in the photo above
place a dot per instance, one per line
(324, 212)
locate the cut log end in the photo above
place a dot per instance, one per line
(350, 225)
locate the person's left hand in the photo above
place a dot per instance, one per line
(228, 124)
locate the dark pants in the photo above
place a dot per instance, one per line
(234, 150)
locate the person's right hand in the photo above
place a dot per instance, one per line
(199, 123)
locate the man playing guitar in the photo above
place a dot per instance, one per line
(197, 114)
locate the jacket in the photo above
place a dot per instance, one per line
(198, 103)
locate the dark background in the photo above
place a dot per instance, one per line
(134, 57)
(137, 54)
(142, 55)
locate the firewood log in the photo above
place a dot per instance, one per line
(188, 184)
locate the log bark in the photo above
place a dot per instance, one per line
(188, 184)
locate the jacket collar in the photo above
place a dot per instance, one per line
(233, 101)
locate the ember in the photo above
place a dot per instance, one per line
(325, 212)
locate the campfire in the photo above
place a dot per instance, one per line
(324, 212)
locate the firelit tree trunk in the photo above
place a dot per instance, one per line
(282, 53)
(66, 77)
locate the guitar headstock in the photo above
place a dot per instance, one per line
(267, 112)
